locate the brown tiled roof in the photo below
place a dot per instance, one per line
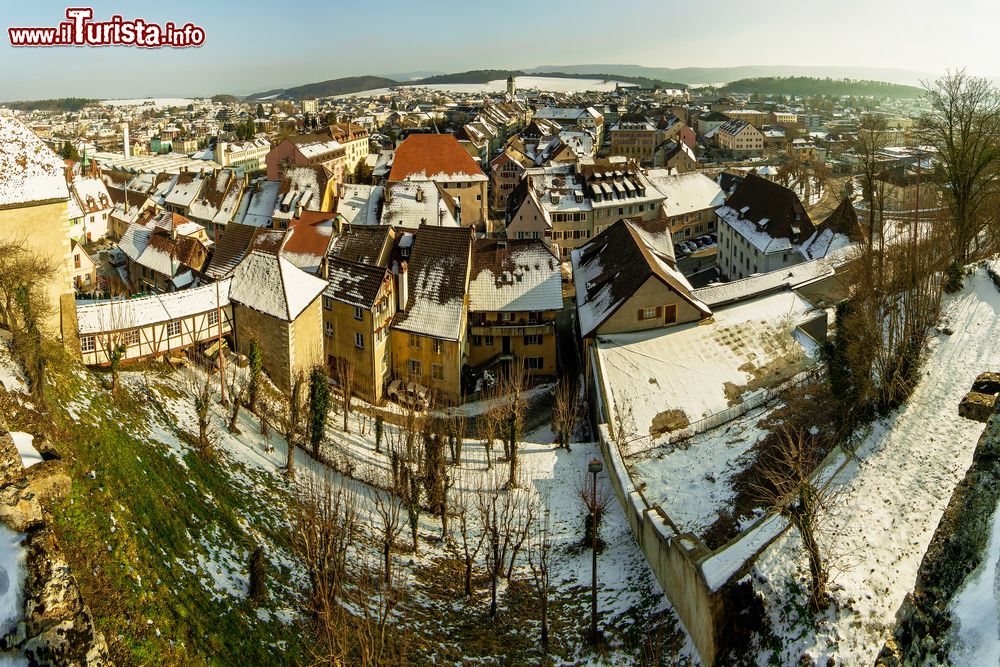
(353, 283)
(361, 244)
(432, 154)
(626, 261)
(765, 199)
(183, 248)
(844, 220)
(231, 245)
(310, 235)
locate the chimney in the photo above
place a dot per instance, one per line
(127, 144)
(420, 194)
(403, 286)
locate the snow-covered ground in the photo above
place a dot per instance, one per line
(11, 376)
(627, 587)
(546, 83)
(692, 480)
(892, 495)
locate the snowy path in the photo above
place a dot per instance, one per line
(894, 498)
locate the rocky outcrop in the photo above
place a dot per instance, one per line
(48, 480)
(57, 627)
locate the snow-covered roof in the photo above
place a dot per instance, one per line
(437, 278)
(702, 369)
(263, 197)
(358, 204)
(29, 170)
(412, 203)
(514, 276)
(114, 315)
(274, 286)
(686, 193)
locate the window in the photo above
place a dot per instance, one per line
(327, 303)
(414, 367)
(437, 372)
(131, 337)
(359, 341)
(87, 344)
(533, 363)
(76, 261)
(477, 340)
(357, 313)
(648, 313)
(670, 314)
(174, 328)
(506, 317)
(415, 341)
(533, 339)
(437, 346)
(328, 329)
(213, 317)
(489, 341)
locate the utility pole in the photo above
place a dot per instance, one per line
(594, 468)
(222, 363)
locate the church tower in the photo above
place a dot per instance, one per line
(511, 86)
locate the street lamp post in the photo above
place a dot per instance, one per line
(594, 468)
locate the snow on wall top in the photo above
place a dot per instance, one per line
(29, 170)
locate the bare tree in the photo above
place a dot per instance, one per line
(963, 124)
(595, 508)
(389, 512)
(291, 420)
(872, 139)
(505, 516)
(786, 484)
(343, 375)
(539, 562)
(487, 427)
(472, 542)
(565, 412)
(238, 394)
(323, 521)
(201, 394)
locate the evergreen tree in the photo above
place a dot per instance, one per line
(319, 407)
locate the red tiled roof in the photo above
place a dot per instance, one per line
(432, 154)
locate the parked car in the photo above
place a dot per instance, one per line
(681, 250)
(690, 245)
(408, 394)
(705, 241)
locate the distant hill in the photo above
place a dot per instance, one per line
(61, 104)
(225, 98)
(487, 75)
(808, 86)
(708, 75)
(343, 86)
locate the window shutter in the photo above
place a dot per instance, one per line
(659, 311)
(640, 314)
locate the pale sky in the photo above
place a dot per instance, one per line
(254, 45)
